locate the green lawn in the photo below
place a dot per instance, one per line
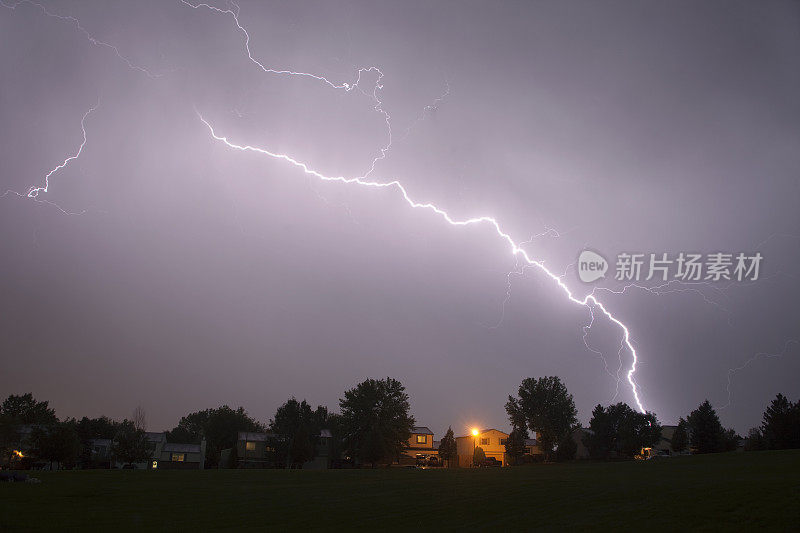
(739, 491)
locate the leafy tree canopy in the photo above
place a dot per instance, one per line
(620, 431)
(545, 405)
(376, 420)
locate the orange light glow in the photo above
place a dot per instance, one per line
(475, 432)
(19, 453)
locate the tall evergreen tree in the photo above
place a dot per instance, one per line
(705, 430)
(448, 449)
(680, 438)
(781, 424)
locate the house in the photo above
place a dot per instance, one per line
(492, 441)
(177, 456)
(578, 434)
(323, 452)
(259, 450)
(253, 450)
(173, 455)
(421, 449)
(663, 447)
(100, 453)
(533, 449)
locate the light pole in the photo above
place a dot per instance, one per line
(475, 433)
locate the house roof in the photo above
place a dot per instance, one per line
(482, 432)
(154, 436)
(531, 442)
(325, 433)
(183, 448)
(255, 437)
(421, 430)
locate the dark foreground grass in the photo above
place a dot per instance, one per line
(736, 491)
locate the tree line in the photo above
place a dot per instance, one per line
(373, 427)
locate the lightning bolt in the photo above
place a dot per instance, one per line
(33, 191)
(760, 355)
(589, 301)
(77, 23)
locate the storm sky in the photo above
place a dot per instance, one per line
(192, 275)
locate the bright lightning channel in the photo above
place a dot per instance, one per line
(33, 192)
(589, 301)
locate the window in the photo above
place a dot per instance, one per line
(250, 446)
(422, 439)
(485, 441)
(180, 457)
(155, 465)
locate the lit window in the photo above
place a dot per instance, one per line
(155, 465)
(250, 446)
(422, 439)
(180, 457)
(484, 442)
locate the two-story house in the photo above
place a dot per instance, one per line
(492, 441)
(420, 448)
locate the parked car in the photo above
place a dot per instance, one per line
(491, 462)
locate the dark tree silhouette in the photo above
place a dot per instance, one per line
(620, 431)
(17, 411)
(515, 444)
(567, 448)
(299, 427)
(680, 438)
(376, 420)
(781, 424)
(448, 449)
(24, 409)
(478, 456)
(705, 430)
(547, 408)
(130, 444)
(56, 443)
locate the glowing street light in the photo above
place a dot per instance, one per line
(475, 434)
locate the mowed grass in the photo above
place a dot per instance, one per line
(734, 491)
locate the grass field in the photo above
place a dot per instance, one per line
(735, 491)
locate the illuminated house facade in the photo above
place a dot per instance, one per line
(420, 446)
(492, 441)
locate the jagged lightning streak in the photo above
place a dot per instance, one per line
(760, 355)
(33, 191)
(590, 301)
(89, 36)
(373, 95)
